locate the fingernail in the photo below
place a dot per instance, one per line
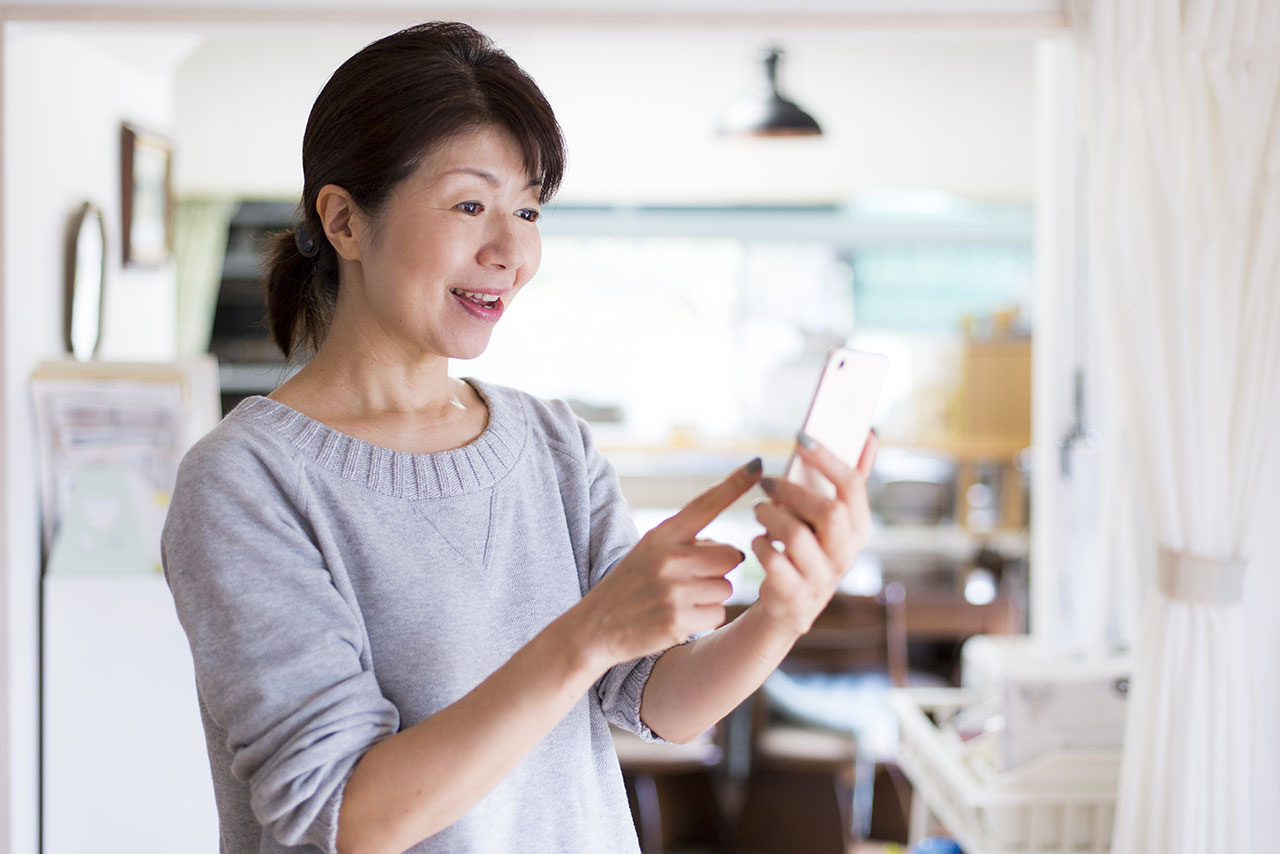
(805, 440)
(755, 466)
(769, 485)
(741, 555)
(875, 432)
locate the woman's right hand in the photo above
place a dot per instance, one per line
(671, 584)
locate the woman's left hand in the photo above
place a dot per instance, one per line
(820, 536)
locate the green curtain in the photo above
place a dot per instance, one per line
(200, 244)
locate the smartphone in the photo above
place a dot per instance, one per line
(840, 412)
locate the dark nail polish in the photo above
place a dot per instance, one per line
(741, 555)
(755, 466)
(875, 432)
(805, 440)
(769, 485)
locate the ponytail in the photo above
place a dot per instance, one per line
(301, 291)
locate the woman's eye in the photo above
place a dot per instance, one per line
(471, 208)
(531, 214)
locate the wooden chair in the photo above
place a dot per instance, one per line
(856, 634)
(801, 786)
(672, 790)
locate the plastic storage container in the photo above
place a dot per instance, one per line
(1061, 802)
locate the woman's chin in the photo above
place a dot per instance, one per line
(469, 349)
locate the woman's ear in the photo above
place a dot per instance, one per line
(341, 220)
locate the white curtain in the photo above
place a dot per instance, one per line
(1181, 106)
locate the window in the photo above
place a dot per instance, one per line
(682, 325)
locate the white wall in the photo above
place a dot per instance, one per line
(640, 110)
(64, 100)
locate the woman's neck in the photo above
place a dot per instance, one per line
(400, 403)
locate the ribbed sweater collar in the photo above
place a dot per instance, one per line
(472, 468)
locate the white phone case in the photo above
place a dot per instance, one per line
(840, 413)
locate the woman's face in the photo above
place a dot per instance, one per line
(457, 239)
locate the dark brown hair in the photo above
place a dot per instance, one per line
(379, 114)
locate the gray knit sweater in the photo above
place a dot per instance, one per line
(334, 592)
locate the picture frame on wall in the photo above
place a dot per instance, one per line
(146, 167)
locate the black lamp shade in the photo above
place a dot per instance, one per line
(773, 115)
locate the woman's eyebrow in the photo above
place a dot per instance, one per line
(488, 177)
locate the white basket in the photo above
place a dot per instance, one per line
(1059, 803)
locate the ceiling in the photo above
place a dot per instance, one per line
(933, 94)
(872, 13)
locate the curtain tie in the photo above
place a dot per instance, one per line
(1199, 580)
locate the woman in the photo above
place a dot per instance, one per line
(414, 603)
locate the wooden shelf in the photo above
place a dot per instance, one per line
(949, 540)
(969, 448)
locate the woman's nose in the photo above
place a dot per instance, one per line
(509, 246)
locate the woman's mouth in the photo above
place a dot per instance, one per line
(484, 306)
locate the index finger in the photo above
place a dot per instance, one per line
(700, 512)
(841, 474)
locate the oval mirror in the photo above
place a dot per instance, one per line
(86, 278)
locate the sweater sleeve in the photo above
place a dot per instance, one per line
(613, 534)
(277, 650)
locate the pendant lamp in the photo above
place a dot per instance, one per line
(772, 115)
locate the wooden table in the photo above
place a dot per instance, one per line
(940, 615)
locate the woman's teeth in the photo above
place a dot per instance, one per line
(484, 298)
